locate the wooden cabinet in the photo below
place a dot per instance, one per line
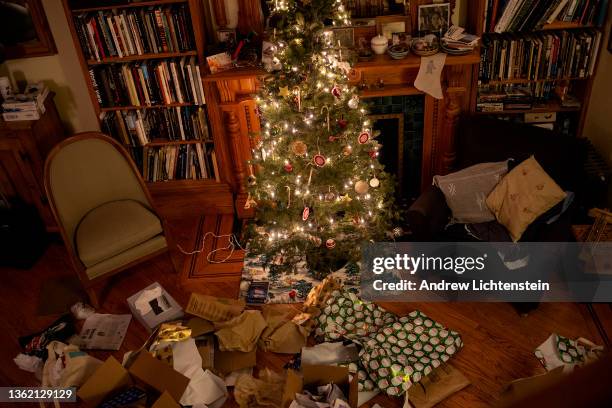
(24, 146)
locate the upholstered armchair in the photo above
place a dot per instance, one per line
(102, 206)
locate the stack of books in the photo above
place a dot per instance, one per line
(510, 97)
(148, 83)
(539, 56)
(179, 162)
(527, 15)
(122, 33)
(26, 106)
(140, 127)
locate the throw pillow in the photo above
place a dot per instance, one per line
(522, 196)
(466, 191)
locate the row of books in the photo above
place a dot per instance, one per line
(140, 127)
(540, 56)
(148, 83)
(179, 162)
(527, 15)
(505, 97)
(121, 33)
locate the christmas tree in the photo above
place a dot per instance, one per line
(317, 186)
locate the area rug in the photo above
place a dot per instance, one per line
(265, 283)
(58, 294)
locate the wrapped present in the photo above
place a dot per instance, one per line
(402, 353)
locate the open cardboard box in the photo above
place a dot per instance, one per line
(316, 375)
(145, 370)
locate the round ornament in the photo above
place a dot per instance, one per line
(398, 232)
(336, 91)
(353, 103)
(373, 154)
(252, 180)
(330, 243)
(305, 213)
(342, 123)
(330, 196)
(288, 167)
(374, 182)
(319, 160)
(363, 137)
(347, 150)
(361, 187)
(299, 148)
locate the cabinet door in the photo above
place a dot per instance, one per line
(17, 179)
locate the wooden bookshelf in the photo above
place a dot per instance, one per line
(197, 189)
(581, 85)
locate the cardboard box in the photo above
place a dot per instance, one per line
(146, 370)
(316, 375)
(229, 361)
(153, 306)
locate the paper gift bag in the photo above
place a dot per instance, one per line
(439, 385)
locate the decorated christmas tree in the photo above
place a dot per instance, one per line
(318, 187)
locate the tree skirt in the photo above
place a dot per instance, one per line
(263, 282)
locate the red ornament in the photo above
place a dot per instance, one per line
(292, 293)
(336, 91)
(319, 160)
(332, 138)
(330, 243)
(363, 137)
(288, 168)
(373, 153)
(305, 213)
(342, 123)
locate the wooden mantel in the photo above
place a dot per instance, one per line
(232, 112)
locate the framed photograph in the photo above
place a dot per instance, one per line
(26, 30)
(345, 36)
(434, 18)
(227, 36)
(387, 25)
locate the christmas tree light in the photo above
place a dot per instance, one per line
(317, 185)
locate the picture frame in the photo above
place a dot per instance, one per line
(388, 25)
(33, 38)
(434, 18)
(344, 35)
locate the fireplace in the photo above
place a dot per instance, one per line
(399, 119)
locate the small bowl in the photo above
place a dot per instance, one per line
(365, 54)
(425, 46)
(399, 51)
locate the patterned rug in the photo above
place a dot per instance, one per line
(262, 282)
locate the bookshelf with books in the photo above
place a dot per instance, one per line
(143, 64)
(537, 56)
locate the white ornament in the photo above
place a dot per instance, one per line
(361, 187)
(374, 182)
(353, 103)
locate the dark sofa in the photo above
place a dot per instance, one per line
(483, 139)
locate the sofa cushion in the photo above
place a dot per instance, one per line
(466, 190)
(522, 196)
(112, 228)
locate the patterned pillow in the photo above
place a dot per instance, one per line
(404, 352)
(466, 191)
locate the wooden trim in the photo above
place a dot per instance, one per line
(44, 45)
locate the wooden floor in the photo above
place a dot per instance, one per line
(499, 343)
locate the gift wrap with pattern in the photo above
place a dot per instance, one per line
(397, 352)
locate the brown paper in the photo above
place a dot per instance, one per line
(229, 361)
(200, 326)
(206, 348)
(242, 332)
(265, 391)
(439, 384)
(214, 308)
(320, 293)
(287, 339)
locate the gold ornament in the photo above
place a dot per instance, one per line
(361, 187)
(347, 150)
(299, 148)
(284, 91)
(346, 198)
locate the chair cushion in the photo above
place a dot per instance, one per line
(523, 195)
(112, 228)
(466, 190)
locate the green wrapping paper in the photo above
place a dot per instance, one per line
(397, 352)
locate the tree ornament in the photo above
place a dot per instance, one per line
(319, 160)
(398, 232)
(249, 203)
(299, 148)
(305, 213)
(315, 240)
(330, 196)
(298, 96)
(288, 167)
(346, 198)
(363, 137)
(251, 180)
(330, 243)
(284, 91)
(373, 154)
(336, 91)
(326, 108)
(332, 138)
(353, 103)
(361, 187)
(374, 182)
(342, 123)
(347, 150)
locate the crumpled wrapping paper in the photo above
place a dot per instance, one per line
(265, 391)
(321, 293)
(214, 309)
(282, 334)
(557, 351)
(242, 332)
(329, 395)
